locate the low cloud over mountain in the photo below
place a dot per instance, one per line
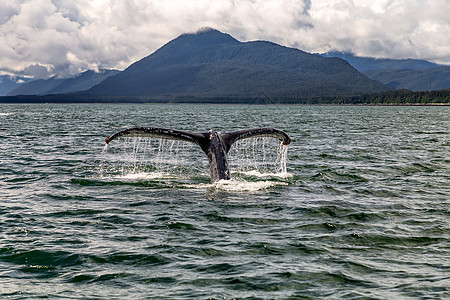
(43, 38)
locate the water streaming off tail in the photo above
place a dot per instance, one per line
(152, 158)
(262, 156)
(156, 158)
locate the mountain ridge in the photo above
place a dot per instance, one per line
(55, 85)
(411, 74)
(214, 64)
(10, 82)
(363, 63)
(209, 63)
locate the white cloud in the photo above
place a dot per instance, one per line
(383, 28)
(47, 37)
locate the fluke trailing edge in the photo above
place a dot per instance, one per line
(215, 145)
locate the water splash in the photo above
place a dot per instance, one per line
(148, 158)
(262, 155)
(105, 149)
(282, 158)
(146, 176)
(258, 174)
(255, 163)
(245, 186)
(237, 185)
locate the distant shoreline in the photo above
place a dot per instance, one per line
(223, 103)
(390, 98)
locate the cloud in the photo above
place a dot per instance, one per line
(62, 37)
(383, 28)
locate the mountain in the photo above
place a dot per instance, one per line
(36, 87)
(8, 83)
(363, 64)
(429, 79)
(412, 74)
(210, 64)
(54, 85)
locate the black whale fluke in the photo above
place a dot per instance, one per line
(215, 145)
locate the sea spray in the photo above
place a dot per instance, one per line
(262, 155)
(102, 161)
(140, 158)
(282, 159)
(133, 157)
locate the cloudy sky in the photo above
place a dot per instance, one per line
(58, 37)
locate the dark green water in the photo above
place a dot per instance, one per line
(363, 213)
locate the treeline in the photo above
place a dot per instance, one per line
(407, 97)
(397, 97)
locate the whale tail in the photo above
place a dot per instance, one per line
(214, 144)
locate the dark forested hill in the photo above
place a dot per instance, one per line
(412, 74)
(429, 79)
(213, 64)
(54, 85)
(363, 64)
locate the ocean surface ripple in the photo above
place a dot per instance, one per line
(362, 211)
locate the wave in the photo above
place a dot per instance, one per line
(339, 177)
(244, 181)
(258, 174)
(234, 185)
(144, 176)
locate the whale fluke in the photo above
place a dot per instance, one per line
(230, 137)
(157, 132)
(215, 145)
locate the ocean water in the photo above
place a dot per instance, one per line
(361, 211)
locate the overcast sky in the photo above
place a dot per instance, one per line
(47, 37)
